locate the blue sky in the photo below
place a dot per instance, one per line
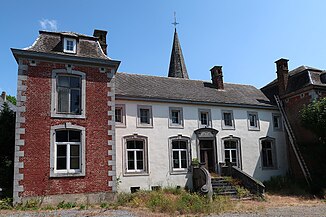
(245, 37)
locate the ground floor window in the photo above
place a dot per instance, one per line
(268, 153)
(179, 154)
(135, 154)
(231, 151)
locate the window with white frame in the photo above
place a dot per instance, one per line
(227, 120)
(135, 155)
(69, 45)
(253, 121)
(268, 153)
(204, 118)
(277, 123)
(144, 118)
(120, 115)
(179, 154)
(67, 151)
(68, 94)
(232, 151)
(176, 117)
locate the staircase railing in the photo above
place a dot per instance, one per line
(293, 142)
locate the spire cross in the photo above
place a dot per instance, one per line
(175, 21)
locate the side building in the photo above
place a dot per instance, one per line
(163, 123)
(65, 146)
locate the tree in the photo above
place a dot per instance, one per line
(7, 148)
(313, 117)
(12, 99)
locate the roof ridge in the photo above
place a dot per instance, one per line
(68, 32)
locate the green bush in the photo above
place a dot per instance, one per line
(64, 205)
(286, 185)
(6, 203)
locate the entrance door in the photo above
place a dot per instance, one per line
(207, 155)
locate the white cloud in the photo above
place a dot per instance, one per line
(47, 24)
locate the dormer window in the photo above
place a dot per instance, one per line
(69, 45)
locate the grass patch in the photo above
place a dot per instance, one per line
(6, 204)
(64, 205)
(174, 201)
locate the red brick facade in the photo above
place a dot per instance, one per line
(36, 171)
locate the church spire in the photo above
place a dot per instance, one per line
(177, 67)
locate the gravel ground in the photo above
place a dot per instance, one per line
(286, 211)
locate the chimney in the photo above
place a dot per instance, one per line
(217, 77)
(282, 71)
(4, 96)
(101, 35)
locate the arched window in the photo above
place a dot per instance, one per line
(232, 150)
(268, 153)
(135, 154)
(179, 154)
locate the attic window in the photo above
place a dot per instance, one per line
(69, 45)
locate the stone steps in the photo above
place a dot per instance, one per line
(221, 186)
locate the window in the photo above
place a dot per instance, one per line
(176, 117)
(227, 120)
(69, 45)
(67, 150)
(268, 153)
(120, 116)
(277, 123)
(144, 118)
(135, 155)
(253, 121)
(68, 94)
(204, 118)
(231, 149)
(179, 147)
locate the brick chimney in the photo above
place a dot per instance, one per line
(101, 35)
(4, 96)
(282, 72)
(217, 77)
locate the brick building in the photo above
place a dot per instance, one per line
(296, 88)
(65, 134)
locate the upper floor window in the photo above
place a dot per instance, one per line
(120, 116)
(144, 118)
(277, 123)
(268, 153)
(135, 154)
(204, 118)
(227, 120)
(67, 150)
(176, 117)
(69, 45)
(253, 121)
(68, 94)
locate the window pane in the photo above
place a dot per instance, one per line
(183, 145)
(270, 158)
(264, 158)
(61, 150)
(139, 155)
(276, 121)
(144, 116)
(74, 150)
(74, 82)
(175, 145)
(139, 144)
(63, 81)
(61, 157)
(227, 155)
(204, 118)
(175, 117)
(63, 99)
(131, 145)
(75, 101)
(183, 159)
(227, 119)
(176, 159)
(234, 156)
(118, 115)
(131, 162)
(74, 163)
(74, 136)
(61, 163)
(253, 120)
(266, 144)
(61, 136)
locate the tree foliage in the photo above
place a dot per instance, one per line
(7, 148)
(313, 117)
(12, 99)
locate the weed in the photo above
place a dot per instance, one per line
(29, 205)
(104, 205)
(48, 207)
(64, 205)
(242, 192)
(6, 203)
(82, 207)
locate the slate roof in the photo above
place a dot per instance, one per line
(11, 106)
(156, 88)
(177, 68)
(299, 78)
(52, 42)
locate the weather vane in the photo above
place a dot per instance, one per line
(175, 21)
